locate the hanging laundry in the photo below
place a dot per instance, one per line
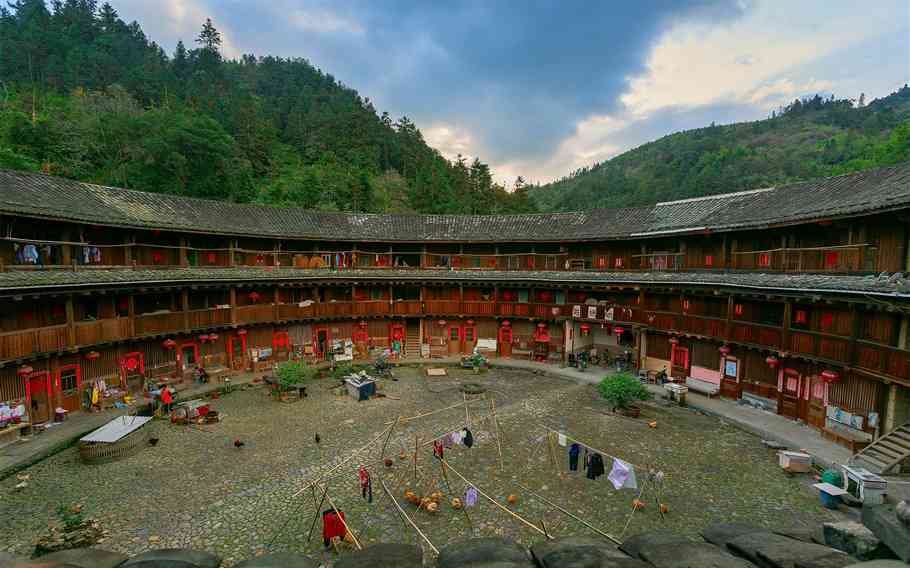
(438, 450)
(467, 438)
(456, 438)
(332, 526)
(561, 438)
(366, 484)
(447, 441)
(470, 497)
(622, 475)
(574, 450)
(595, 466)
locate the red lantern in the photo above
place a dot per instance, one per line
(25, 371)
(157, 257)
(254, 297)
(470, 322)
(618, 330)
(830, 376)
(364, 324)
(241, 332)
(674, 341)
(203, 338)
(169, 344)
(213, 337)
(541, 325)
(585, 329)
(92, 355)
(213, 258)
(772, 361)
(442, 323)
(724, 350)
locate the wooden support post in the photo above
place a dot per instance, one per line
(785, 334)
(856, 326)
(233, 301)
(131, 314)
(70, 322)
(183, 260)
(276, 305)
(185, 307)
(232, 244)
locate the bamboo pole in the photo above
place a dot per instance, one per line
(406, 517)
(467, 419)
(340, 518)
(445, 478)
(495, 502)
(416, 452)
(406, 419)
(338, 465)
(577, 518)
(590, 447)
(389, 437)
(316, 516)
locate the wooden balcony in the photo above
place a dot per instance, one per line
(150, 324)
(331, 309)
(101, 331)
(549, 311)
(515, 309)
(660, 262)
(443, 307)
(757, 334)
(835, 258)
(820, 345)
(703, 325)
(39, 340)
(478, 308)
(883, 359)
(407, 307)
(211, 317)
(256, 313)
(371, 307)
(296, 311)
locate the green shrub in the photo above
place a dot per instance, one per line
(623, 389)
(344, 369)
(294, 372)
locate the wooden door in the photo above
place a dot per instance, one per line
(69, 381)
(236, 352)
(469, 334)
(189, 356)
(40, 404)
(321, 341)
(396, 338)
(789, 401)
(505, 342)
(679, 362)
(454, 338)
(730, 386)
(816, 407)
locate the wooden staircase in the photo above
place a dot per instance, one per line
(886, 452)
(412, 340)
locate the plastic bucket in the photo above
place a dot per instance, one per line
(829, 501)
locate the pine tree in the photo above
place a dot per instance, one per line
(209, 38)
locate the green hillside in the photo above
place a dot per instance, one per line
(810, 138)
(87, 96)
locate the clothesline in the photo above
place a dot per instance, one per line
(590, 447)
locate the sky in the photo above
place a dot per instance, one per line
(542, 88)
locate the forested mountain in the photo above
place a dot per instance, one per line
(809, 138)
(86, 96)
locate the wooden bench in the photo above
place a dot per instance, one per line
(703, 387)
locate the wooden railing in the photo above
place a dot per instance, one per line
(757, 334)
(514, 309)
(838, 258)
(38, 340)
(443, 307)
(820, 345)
(209, 317)
(371, 307)
(256, 313)
(149, 324)
(101, 331)
(296, 311)
(882, 359)
(330, 309)
(478, 308)
(407, 307)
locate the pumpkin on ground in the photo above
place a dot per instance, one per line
(512, 499)
(638, 504)
(456, 503)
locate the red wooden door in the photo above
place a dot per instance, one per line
(453, 336)
(816, 412)
(505, 341)
(679, 362)
(40, 401)
(236, 351)
(69, 381)
(469, 338)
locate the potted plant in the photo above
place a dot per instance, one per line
(622, 390)
(291, 376)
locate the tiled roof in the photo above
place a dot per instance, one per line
(865, 192)
(17, 282)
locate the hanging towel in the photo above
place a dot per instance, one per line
(468, 438)
(573, 457)
(561, 438)
(366, 484)
(622, 475)
(438, 450)
(456, 438)
(470, 497)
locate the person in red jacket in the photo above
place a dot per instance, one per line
(166, 399)
(332, 526)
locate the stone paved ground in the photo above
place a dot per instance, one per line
(195, 489)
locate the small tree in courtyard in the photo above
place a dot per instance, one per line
(622, 390)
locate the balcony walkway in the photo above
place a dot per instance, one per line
(21, 455)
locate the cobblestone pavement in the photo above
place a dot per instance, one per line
(195, 489)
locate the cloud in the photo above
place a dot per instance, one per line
(167, 21)
(450, 140)
(324, 21)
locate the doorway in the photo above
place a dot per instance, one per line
(454, 339)
(236, 352)
(679, 362)
(39, 389)
(396, 339)
(189, 356)
(505, 341)
(729, 384)
(68, 382)
(321, 340)
(816, 412)
(789, 403)
(469, 337)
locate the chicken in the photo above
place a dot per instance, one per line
(238, 443)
